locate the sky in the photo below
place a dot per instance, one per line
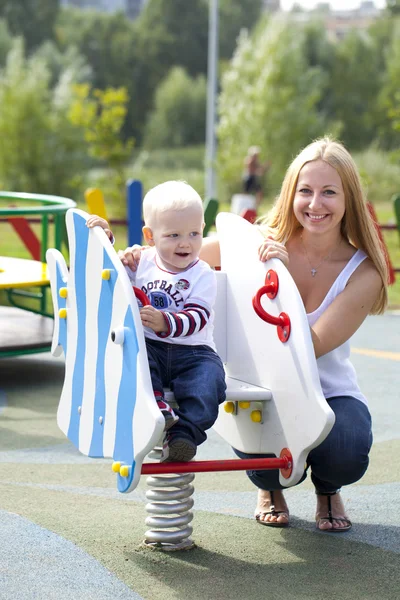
(335, 4)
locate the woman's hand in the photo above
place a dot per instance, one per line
(130, 257)
(272, 249)
(153, 318)
(96, 221)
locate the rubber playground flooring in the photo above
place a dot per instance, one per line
(66, 533)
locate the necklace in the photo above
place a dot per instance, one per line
(314, 270)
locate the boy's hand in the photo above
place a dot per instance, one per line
(95, 221)
(153, 318)
(130, 257)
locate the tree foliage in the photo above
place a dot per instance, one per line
(235, 15)
(389, 93)
(68, 60)
(178, 118)
(393, 6)
(41, 152)
(354, 88)
(6, 41)
(101, 114)
(33, 19)
(138, 55)
(269, 97)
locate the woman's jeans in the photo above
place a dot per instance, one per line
(196, 376)
(341, 459)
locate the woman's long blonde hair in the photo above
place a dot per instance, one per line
(357, 224)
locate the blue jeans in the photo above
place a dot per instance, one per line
(341, 459)
(196, 376)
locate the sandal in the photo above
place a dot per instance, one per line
(274, 513)
(330, 516)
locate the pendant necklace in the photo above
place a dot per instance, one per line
(314, 270)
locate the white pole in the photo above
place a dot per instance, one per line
(212, 82)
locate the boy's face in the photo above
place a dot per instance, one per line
(177, 236)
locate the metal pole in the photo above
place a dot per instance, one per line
(208, 466)
(210, 176)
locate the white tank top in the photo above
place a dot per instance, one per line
(337, 374)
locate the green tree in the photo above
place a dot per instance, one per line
(60, 61)
(41, 152)
(6, 41)
(101, 114)
(390, 86)
(393, 6)
(269, 97)
(178, 118)
(235, 15)
(138, 55)
(33, 19)
(355, 82)
(104, 40)
(168, 34)
(174, 33)
(109, 46)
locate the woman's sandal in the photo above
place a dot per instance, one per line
(274, 513)
(331, 518)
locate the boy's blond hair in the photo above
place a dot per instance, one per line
(170, 195)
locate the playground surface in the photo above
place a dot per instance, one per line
(67, 534)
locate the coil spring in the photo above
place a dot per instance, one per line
(169, 507)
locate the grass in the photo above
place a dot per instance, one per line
(380, 176)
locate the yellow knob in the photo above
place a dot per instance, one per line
(63, 292)
(124, 471)
(106, 274)
(244, 404)
(62, 313)
(116, 467)
(229, 407)
(256, 416)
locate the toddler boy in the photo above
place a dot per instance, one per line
(178, 323)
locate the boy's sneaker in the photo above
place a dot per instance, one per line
(177, 449)
(170, 417)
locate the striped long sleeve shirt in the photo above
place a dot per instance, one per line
(185, 299)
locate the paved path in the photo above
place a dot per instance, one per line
(67, 534)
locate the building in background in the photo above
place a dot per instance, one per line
(131, 8)
(339, 23)
(272, 5)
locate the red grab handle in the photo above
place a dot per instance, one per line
(282, 322)
(141, 296)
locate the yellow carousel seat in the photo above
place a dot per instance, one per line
(22, 273)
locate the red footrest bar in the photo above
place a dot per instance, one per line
(205, 466)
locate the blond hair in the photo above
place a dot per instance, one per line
(357, 225)
(170, 195)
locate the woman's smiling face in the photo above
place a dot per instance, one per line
(319, 202)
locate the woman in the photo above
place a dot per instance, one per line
(322, 231)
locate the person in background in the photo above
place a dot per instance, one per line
(253, 173)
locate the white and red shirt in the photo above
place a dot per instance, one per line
(185, 298)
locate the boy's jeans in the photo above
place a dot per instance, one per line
(196, 376)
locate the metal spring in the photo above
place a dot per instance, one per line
(169, 509)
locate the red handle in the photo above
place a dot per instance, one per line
(141, 296)
(261, 312)
(282, 322)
